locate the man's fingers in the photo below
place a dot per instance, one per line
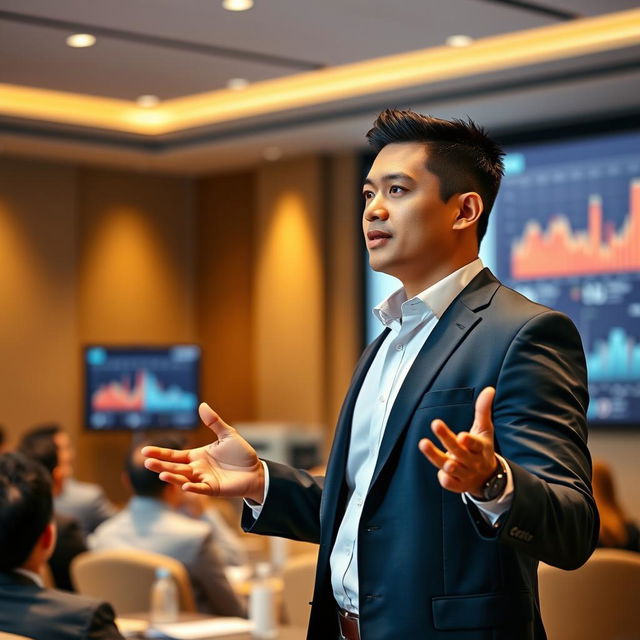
(214, 421)
(160, 453)
(470, 442)
(159, 466)
(449, 482)
(436, 457)
(173, 478)
(447, 438)
(198, 487)
(482, 422)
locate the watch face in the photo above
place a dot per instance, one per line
(495, 485)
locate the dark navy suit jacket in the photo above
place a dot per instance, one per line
(429, 566)
(48, 614)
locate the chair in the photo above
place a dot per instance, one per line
(298, 576)
(123, 577)
(599, 601)
(12, 636)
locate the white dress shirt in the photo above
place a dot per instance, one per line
(410, 323)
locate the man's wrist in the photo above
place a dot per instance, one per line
(256, 494)
(479, 493)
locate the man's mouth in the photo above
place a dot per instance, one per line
(377, 238)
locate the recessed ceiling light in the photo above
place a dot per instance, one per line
(272, 153)
(237, 5)
(147, 101)
(81, 40)
(459, 41)
(237, 83)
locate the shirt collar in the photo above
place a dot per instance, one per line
(434, 299)
(31, 575)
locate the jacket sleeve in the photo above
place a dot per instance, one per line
(539, 416)
(102, 625)
(292, 506)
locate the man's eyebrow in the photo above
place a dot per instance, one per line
(389, 177)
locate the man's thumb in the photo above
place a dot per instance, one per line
(482, 422)
(214, 421)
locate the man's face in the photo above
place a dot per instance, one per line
(65, 454)
(407, 227)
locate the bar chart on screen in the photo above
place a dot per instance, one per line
(567, 235)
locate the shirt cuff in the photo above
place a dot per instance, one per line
(256, 509)
(491, 510)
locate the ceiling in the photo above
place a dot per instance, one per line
(177, 49)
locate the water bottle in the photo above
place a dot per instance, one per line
(164, 597)
(261, 604)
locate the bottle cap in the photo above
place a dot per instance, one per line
(263, 570)
(163, 572)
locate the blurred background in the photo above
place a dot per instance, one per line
(180, 208)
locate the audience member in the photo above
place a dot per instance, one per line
(150, 521)
(230, 546)
(82, 500)
(616, 529)
(3, 439)
(27, 538)
(39, 445)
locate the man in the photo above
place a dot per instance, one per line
(84, 501)
(467, 375)
(39, 444)
(27, 538)
(150, 521)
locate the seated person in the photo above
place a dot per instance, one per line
(84, 501)
(27, 538)
(39, 445)
(616, 529)
(150, 521)
(230, 546)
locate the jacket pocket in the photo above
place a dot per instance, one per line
(482, 611)
(445, 397)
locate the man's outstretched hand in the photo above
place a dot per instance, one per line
(469, 458)
(228, 467)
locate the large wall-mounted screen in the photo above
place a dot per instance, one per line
(141, 387)
(565, 231)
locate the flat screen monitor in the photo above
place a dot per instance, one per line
(141, 387)
(565, 232)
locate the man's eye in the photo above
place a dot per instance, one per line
(367, 195)
(396, 189)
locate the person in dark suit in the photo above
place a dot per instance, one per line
(460, 458)
(39, 444)
(27, 538)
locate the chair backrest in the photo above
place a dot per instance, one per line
(123, 577)
(12, 636)
(598, 601)
(298, 576)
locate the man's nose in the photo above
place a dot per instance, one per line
(376, 212)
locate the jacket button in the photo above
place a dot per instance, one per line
(373, 528)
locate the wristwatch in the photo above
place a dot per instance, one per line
(496, 484)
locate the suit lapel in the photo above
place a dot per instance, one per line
(452, 328)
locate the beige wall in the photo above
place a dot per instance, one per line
(38, 295)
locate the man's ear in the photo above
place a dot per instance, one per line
(58, 478)
(48, 538)
(470, 208)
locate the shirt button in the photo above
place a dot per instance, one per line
(380, 398)
(399, 347)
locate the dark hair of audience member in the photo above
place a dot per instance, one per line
(613, 520)
(3, 437)
(144, 482)
(26, 507)
(460, 154)
(39, 444)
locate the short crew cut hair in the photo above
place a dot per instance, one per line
(39, 444)
(144, 482)
(26, 508)
(460, 154)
